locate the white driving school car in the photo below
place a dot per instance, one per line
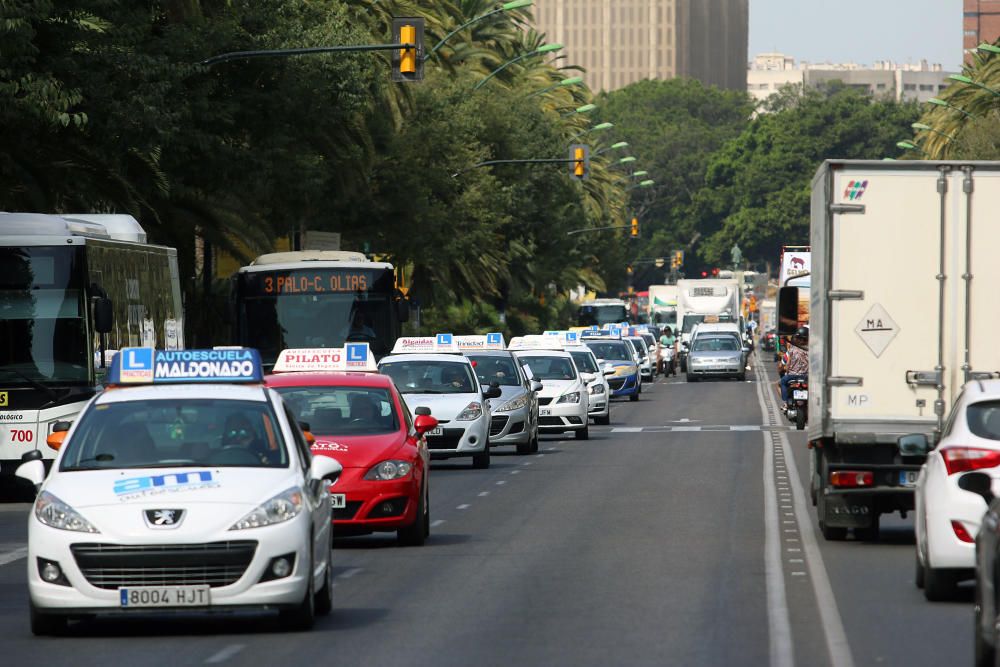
(186, 485)
(564, 401)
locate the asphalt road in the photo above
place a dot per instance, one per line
(675, 536)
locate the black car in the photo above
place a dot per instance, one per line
(987, 634)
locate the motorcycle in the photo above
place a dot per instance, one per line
(666, 361)
(798, 403)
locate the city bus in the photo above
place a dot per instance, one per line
(317, 298)
(602, 311)
(73, 289)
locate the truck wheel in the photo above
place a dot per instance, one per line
(831, 533)
(918, 570)
(939, 584)
(869, 534)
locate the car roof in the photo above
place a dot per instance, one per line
(718, 327)
(441, 356)
(232, 392)
(543, 353)
(487, 353)
(327, 379)
(979, 389)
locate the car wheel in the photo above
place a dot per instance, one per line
(524, 447)
(985, 654)
(742, 377)
(302, 616)
(918, 571)
(481, 460)
(939, 585)
(415, 534)
(43, 624)
(534, 441)
(690, 378)
(583, 434)
(634, 397)
(323, 600)
(602, 420)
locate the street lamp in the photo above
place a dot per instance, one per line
(642, 184)
(586, 108)
(626, 160)
(639, 174)
(910, 146)
(596, 128)
(572, 81)
(506, 7)
(613, 147)
(961, 78)
(544, 48)
(941, 103)
(927, 128)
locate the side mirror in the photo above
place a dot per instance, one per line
(492, 391)
(324, 467)
(588, 377)
(424, 423)
(788, 310)
(914, 444)
(32, 468)
(104, 317)
(610, 370)
(979, 483)
(55, 439)
(536, 385)
(422, 411)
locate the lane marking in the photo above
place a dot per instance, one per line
(838, 647)
(778, 623)
(226, 653)
(627, 429)
(483, 494)
(463, 506)
(13, 555)
(515, 472)
(501, 483)
(436, 522)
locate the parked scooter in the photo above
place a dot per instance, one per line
(798, 403)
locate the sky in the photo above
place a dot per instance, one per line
(861, 31)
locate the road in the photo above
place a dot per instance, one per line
(679, 535)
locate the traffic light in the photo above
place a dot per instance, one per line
(634, 230)
(679, 258)
(628, 269)
(715, 271)
(408, 63)
(579, 159)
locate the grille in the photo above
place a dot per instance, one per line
(347, 513)
(448, 440)
(544, 401)
(387, 508)
(214, 564)
(518, 427)
(550, 421)
(497, 424)
(616, 383)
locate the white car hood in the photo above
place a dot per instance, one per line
(556, 388)
(444, 407)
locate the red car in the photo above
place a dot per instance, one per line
(360, 420)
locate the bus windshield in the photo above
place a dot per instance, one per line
(691, 320)
(43, 334)
(601, 314)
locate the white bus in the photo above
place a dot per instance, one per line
(72, 286)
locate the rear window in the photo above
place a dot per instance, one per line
(984, 419)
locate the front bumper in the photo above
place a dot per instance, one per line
(715, 369)
(511, 428)
(626, 385)
(562, 417)
(83, 595)
(372, 505)
(460, 438)
(600, 405)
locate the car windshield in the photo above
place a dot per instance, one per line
(430, 377)
(639, 347)
(610, 350)
(176, 433)
(342, 410)
(984, 419)
(551, 368)
(715, 344)
(585, 361)
(496, 368)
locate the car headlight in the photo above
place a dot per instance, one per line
(596, 389)
(514, 404)
(56, 514)
(284, 506)
(472, 411)
(388, 470)
(572, 397)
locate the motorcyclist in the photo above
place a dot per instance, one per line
(797, 366)
(665, 362)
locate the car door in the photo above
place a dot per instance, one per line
(318, 496)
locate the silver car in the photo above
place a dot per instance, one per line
(716, 355)
(514, 419)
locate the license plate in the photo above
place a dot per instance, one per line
(545, 412)
(436, 431)
(165, 596)
(800, 395)
(338, 501)
(908, 477)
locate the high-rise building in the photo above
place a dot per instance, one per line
(980, 23)
(622, 41)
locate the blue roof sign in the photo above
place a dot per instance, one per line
(143, 365)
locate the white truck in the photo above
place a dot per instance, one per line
(705, 300)
(663, 305)
(902, 314)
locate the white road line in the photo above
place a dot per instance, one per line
(483, 494)
(778, 623)
(436, 522)
(463, 506)
(501, 482)
(515, 472)
(226, 653)
(526, 463)
(627, 429)
(13, 555)
(833, 626)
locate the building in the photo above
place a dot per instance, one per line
(619, 42)
(769, 72)
(980, 23)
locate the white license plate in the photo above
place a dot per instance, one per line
(908, 477)
(165, 596)
(436, 431)
(800, 395)
(338, 501)
(544, 412)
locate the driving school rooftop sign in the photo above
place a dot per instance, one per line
(142, 365)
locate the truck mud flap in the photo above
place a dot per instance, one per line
(846, 510)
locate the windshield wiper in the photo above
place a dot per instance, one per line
(53, 396)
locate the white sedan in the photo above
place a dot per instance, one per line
(947, 516)
(199, 495)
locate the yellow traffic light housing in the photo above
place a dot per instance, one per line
(634, 232)
(579, 159)
(628, 269)
(408, 62)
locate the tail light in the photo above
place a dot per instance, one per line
(963, 459)
(960, 532)
(851, 478)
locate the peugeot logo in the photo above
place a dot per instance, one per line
(163, 518)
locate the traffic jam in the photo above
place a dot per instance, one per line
(199, 481)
